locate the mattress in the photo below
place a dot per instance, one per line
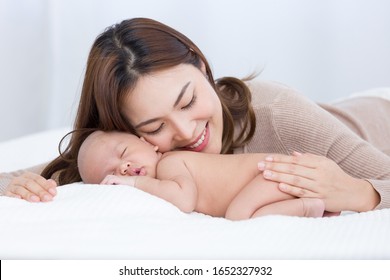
(120, 222)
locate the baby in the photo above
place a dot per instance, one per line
(227, 186)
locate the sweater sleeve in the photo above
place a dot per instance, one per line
(303, 126)
(5, 178)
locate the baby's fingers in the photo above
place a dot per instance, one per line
(109, 180)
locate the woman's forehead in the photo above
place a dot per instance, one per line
(158, 92)
(161, 83)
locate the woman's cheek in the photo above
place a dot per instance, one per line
(163, 144)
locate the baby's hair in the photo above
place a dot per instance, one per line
(68, 157)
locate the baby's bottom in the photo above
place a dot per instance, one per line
(261, 197)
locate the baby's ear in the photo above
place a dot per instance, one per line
(144, 140)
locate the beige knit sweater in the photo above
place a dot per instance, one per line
(354, 133)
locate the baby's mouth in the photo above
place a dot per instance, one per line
(141, 171)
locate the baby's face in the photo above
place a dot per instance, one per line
(116, 153)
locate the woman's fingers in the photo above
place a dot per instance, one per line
(19, 191)
(297, 173)
(288, 168)
(10, 194)
(290, 179)
(288, 173)
(38, 186)
(52, 187)
(298, 192)
(32, 187)
(315, 176)
(307, 160)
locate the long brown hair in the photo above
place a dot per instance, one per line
(119, 56)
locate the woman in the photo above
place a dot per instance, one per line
(146, 78)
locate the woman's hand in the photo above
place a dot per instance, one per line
(308, 175)
(31, 187)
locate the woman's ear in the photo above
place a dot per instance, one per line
(203, 68)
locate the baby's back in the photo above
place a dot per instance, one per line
(219, 177)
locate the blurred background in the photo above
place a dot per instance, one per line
(324, 49)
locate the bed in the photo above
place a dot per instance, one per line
(121, 222)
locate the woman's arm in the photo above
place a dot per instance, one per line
(355, 161)
(291, 122)
(342, 180)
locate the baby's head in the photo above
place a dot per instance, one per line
(116, 153)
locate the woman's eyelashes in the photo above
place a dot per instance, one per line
(185, 107)
(190, 104)
(156, 130)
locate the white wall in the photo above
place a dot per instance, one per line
(326, 49)
(24, 77)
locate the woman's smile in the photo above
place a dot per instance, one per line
(201, 142)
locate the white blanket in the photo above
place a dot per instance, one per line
(121, 222)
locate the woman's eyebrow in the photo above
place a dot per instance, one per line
(179, 97)
(183, 90)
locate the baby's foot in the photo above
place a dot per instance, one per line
(313, 207)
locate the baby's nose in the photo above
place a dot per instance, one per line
(125, 168)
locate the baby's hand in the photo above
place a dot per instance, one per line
(31, 187)
(119, 180)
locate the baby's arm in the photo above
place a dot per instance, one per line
(261, 197)
(176, 187)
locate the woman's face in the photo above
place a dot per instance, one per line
(177, 109)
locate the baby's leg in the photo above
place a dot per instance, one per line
(256, 194)
(301, 207)
(260, 193)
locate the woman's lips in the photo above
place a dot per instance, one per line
(202, 141)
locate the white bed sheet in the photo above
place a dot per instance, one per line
(121, 222)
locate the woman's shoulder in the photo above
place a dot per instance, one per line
(269, 85)
(272, 94)
(284, 117)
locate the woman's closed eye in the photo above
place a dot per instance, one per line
(190, 104)
(153, 132)
(186, 107)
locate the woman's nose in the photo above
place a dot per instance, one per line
(183, 130)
